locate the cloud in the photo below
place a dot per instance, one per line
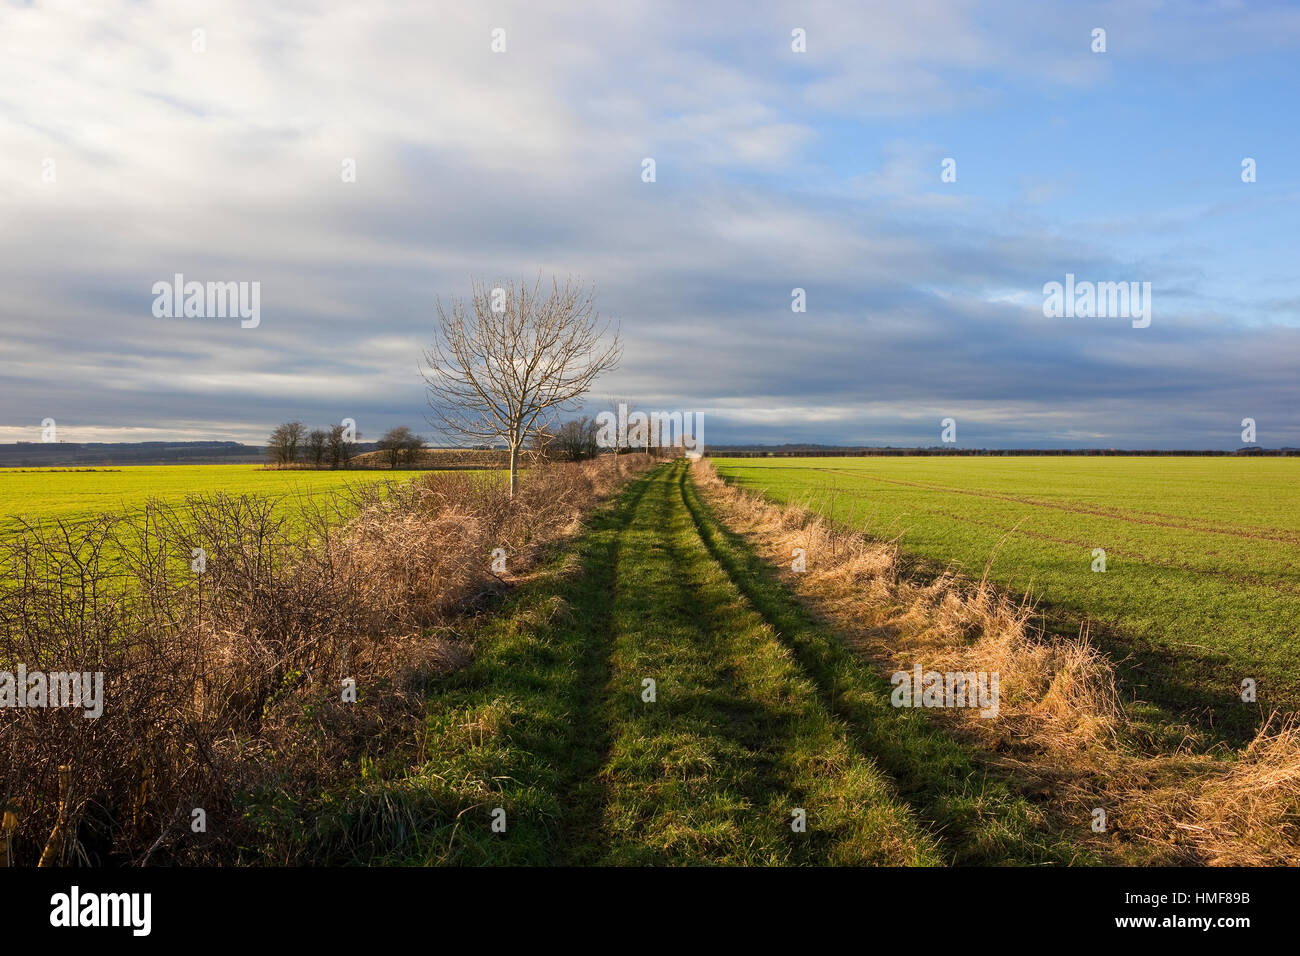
(226, 165)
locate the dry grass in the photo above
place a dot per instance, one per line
(231, 679)
(1063, 727)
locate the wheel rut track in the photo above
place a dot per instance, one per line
(584, 792)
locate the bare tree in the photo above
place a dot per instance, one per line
(340, 446)
(505, 365)
(334, 445)
(615, 405)
(283, 444)
(576, 440)
(317, 444)
(400, 444)
(411, 449)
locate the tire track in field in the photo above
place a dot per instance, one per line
(584, 794)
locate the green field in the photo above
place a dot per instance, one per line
(54, 493)
(1202, 580)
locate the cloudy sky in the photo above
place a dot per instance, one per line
(132, 149)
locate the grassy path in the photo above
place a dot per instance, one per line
(737, 740)
(760, 741)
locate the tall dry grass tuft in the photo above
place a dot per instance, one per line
(1249, 815)
(1062, 725)
(219, 681)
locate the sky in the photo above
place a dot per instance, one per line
(133, 148)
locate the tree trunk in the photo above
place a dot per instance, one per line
(514, 469)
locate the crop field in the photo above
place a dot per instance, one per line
(1201, 587)
(67, 494)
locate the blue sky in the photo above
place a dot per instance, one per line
(775, 170)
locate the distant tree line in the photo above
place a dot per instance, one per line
(292, 445)
(578, 440)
